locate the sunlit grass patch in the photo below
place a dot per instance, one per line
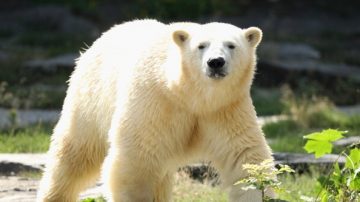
(299, 187)
(296, 187)
(33, 139)
(186, 190)
(30, 174)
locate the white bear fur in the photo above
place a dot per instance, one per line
(139, 99)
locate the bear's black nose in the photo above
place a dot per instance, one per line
(216, 63)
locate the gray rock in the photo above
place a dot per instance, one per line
(286, 51)
(313, 66)
(297, 57)
(52, 64)
(12, 164)
(350, 110)
(28, 117)
(309, 159)
(49, 17)
(347, 141)
(11, 168)
(19, 190)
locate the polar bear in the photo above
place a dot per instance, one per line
(149, 97)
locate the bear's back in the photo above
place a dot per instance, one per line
(107, 69)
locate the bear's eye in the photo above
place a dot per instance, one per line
(200, 47)
(231, 46)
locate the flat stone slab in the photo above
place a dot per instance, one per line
(34, 159)
(11, 164)
(347, 141)
(293, 159)
(311, 66)
(285, 51)
(52, 64)
(28, 117)
(350, 110)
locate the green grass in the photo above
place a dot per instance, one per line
(298, 186)
(281, 129)
(34, 139)
(267, 101)
(288, 144)
(186, 190)
(30, 174)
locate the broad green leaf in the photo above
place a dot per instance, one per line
(320, 148)
(329, 135)
(353, 160)
(355, 184)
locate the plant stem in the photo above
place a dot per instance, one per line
(329, 175)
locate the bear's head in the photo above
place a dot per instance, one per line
(217, 63)
(217, 50)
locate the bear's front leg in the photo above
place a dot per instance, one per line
(233, 139)
(142, 155)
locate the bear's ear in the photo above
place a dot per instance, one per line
(253, 35)
(180, 37)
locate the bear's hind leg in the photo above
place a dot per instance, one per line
(73, 165)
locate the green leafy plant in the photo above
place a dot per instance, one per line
(263, 177)
(320, 143)
(343, 182)
(98, 199)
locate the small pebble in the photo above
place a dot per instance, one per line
(18, 189)
(32, 189)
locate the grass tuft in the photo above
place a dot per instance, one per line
(34, 139)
